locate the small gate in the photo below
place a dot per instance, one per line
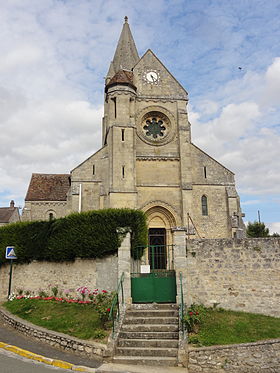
(153, 277)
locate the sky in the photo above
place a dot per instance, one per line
(56, 53)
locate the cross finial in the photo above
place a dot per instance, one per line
(125, 19)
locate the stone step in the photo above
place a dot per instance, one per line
(150, 320)
(170, 343)
(154, 306)
(150, 328)
(123, 368)
(144, 352)
(148, 335)
(137, 360)
(153, 313)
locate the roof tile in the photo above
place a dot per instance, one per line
(48, 187)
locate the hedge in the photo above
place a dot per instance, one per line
(91, 234)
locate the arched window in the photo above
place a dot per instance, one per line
(50, 215)
(204, 206)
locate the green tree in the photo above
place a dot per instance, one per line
(257, 229)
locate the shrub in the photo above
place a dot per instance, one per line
(102, 304)
(192, 317)
(91, 234)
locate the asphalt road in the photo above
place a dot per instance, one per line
(11, 336)
(11, 363)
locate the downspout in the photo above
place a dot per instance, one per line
(80, 198)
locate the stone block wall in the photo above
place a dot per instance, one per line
(241, 275)
(35, 276)
(62, 341)
(258, 357)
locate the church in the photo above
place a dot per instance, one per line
(147, 160)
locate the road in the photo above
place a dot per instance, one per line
(12, 363)
(11, 336)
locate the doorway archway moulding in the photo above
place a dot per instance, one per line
(164, 209)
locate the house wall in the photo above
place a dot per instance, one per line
(40, 210)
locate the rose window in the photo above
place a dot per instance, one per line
(154, 128)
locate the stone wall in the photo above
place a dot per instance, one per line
(40, 210)
(58, 340)
(258, 357)
(240, 275)
(35, 276)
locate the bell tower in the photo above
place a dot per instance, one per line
(119, 123)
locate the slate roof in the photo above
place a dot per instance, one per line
(48, 187)
(126, 55)
(6, 214)
(122, 76)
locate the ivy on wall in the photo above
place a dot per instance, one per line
(91, 234)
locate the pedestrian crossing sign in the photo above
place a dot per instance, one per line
(10, 252)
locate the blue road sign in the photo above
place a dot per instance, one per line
(10, 252)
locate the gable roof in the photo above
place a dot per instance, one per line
(150, 52)
(213, 159)
(48, 187)
(6, 213)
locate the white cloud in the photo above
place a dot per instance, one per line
(251, 202)
(274, 227)
(271, 92)
(241, 136)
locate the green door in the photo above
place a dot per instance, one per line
(159, 285)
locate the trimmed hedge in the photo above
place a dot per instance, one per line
(90, 234)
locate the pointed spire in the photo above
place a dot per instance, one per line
(126, 55)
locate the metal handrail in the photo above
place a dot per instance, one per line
(182, 305)
(114, 313)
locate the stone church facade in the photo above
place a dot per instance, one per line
(147, 160)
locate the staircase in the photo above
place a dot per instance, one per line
(149, 336)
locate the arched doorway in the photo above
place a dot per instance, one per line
(153, 277)
(157, 248)
(160, 220)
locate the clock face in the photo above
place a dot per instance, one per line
(151, 77)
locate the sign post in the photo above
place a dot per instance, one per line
(10, 254)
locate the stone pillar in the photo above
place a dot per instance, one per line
(124, 260)
(180, 260)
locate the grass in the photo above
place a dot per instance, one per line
(217, 326)
(220, 327)
(78, 320)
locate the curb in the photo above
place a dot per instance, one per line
(45, 360)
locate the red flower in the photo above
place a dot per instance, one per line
(104, 291)
(108, 309)
(197, 313)
(190, 313)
